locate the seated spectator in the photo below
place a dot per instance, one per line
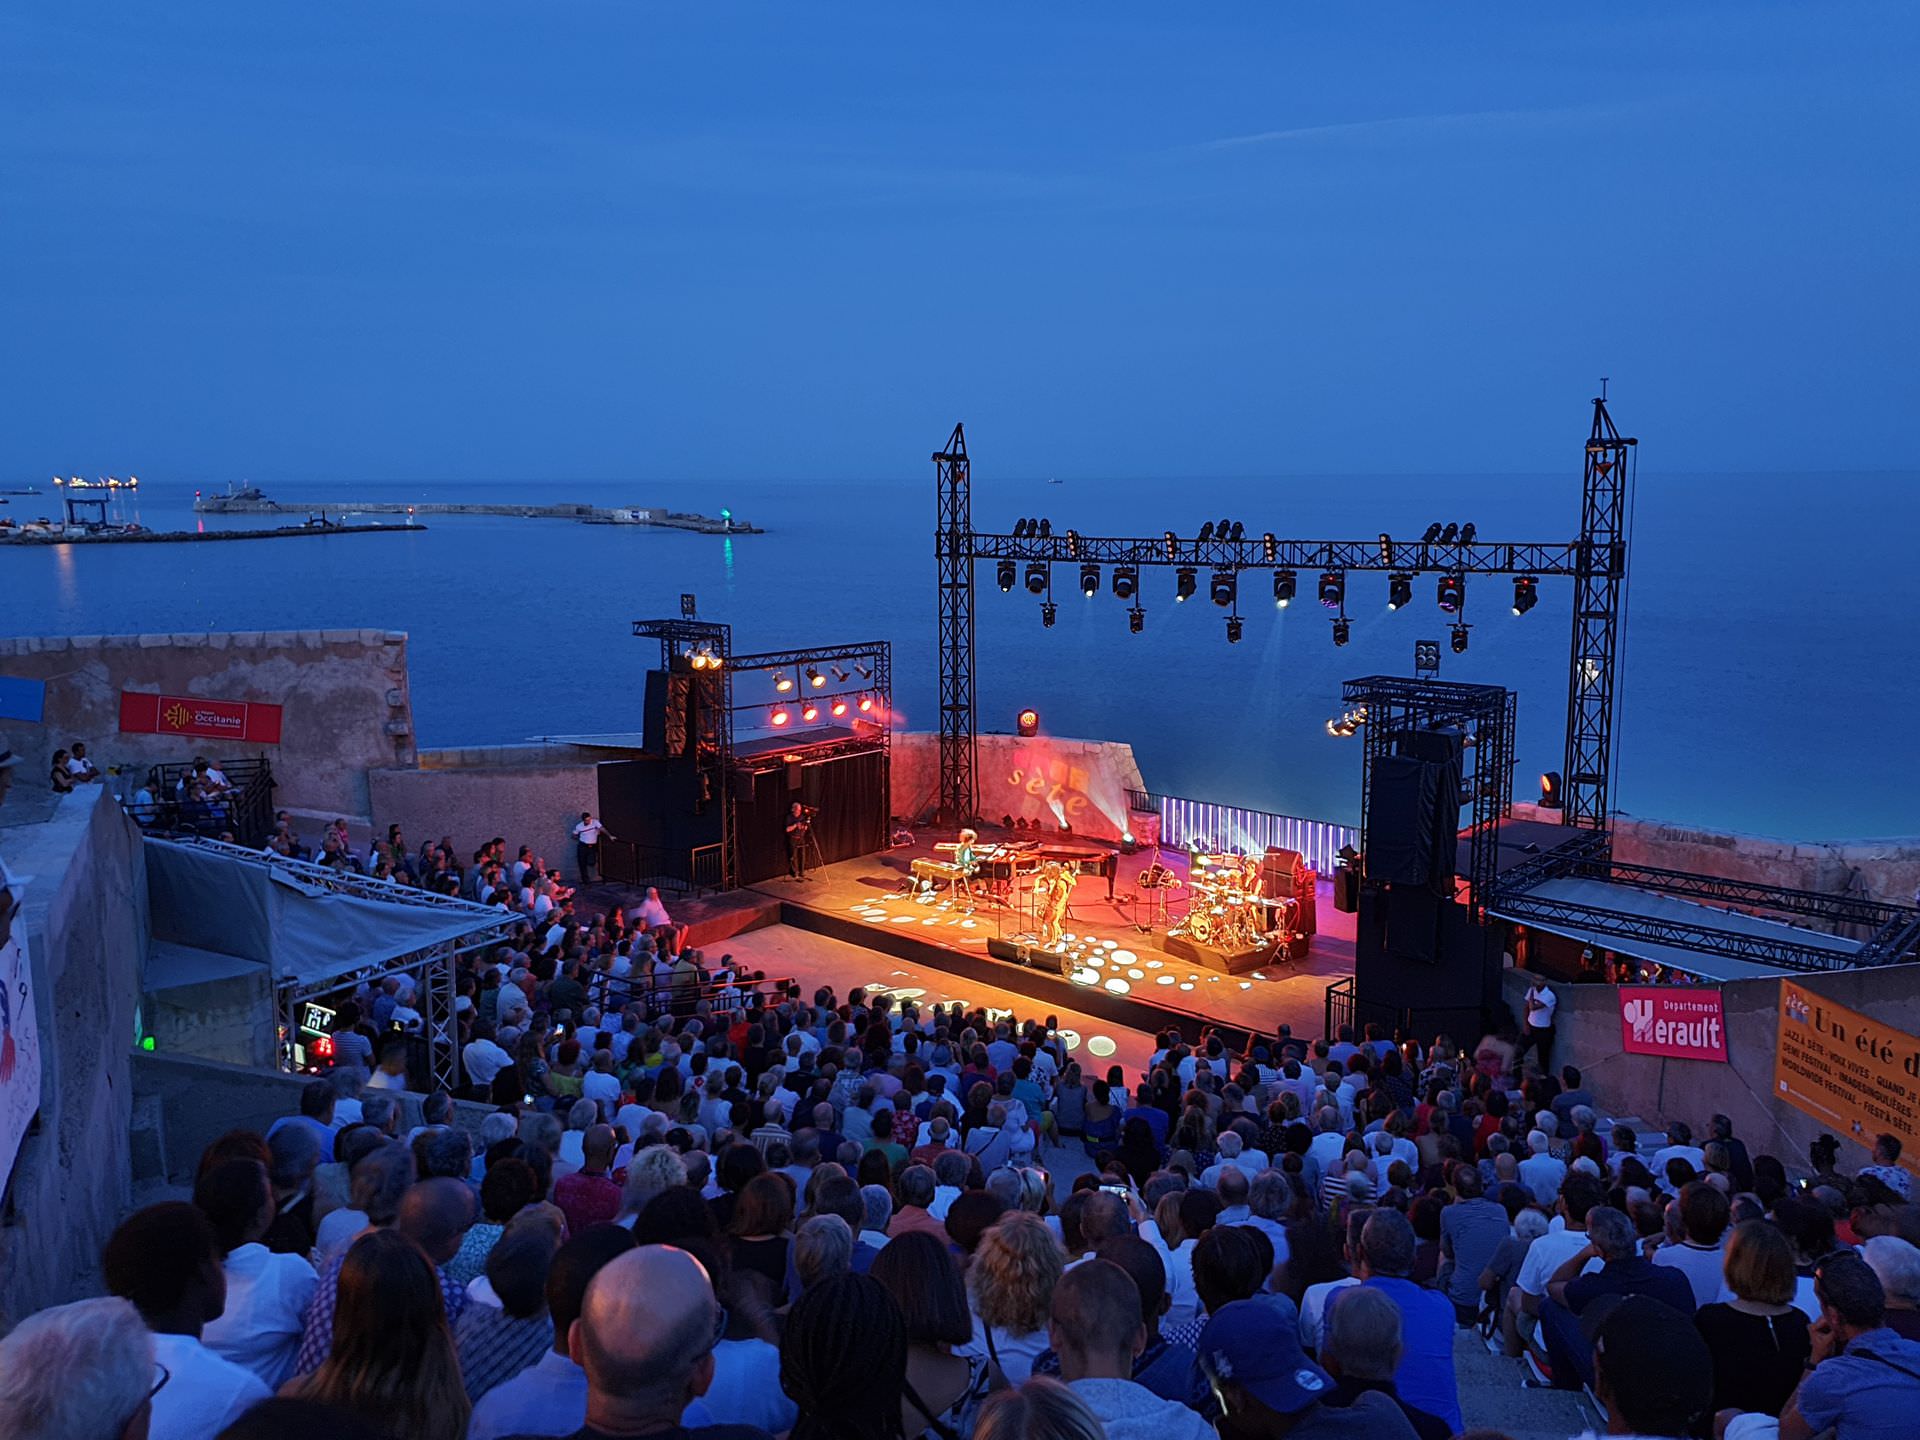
(293, 1157)
(1266, 1387)
(1097, 1333)
(509, 1187)
(1897, 1263)
(1703, 1214)
(495, 1343)
(283, 1419)
(1362, 1351)
(1540, 1172)
(83, 1371)
(1612, 1240)
(550, 1397)
(1425, 1378)
(379, 1178)
(165, 1259)
(1865, 1380)
(1759, 1339)
(267, 1294)
(391, 1359)
(759, 1237)
(317, 1101)
(589, 1196)
(822, 1250)
(1652, 1374)
(1010, 1288)
(1040, 1409)
(1472, 1229)
(1886, 1167)
(916, 1187)
(1232, 1262)
(843, 1360)
(942, 1388)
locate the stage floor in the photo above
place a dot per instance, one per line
(1134, 968)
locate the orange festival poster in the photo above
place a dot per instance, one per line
(1854, 1074)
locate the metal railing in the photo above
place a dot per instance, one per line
(1344, 1007)
(245, 812)
(683, 872)
(1185, 823)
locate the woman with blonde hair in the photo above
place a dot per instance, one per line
(392, 1361)
(1010, 1290)
(1040, 1409)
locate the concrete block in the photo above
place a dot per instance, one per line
(155, 642)
(219, 640)
(87, 642)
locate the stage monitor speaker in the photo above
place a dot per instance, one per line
(1277, 869)
(1031, 956)
(1346, 890)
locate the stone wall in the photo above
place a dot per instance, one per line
(1045, 778)
(343, 692)
(1658, 1090)
(85, 910)
(229, 1019)
(531, 794)
(1885, 869)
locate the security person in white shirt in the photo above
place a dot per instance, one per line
(586, 836)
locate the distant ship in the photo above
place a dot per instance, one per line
(238, 497)
(21, 490)
(74, 482)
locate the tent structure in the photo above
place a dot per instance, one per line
(218, 911)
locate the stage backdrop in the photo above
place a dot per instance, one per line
(850, 793)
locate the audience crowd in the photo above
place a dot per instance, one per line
(705, 1205)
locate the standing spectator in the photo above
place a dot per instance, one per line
(587, 835)
(1096, 1331)
(166, 1260)
(1363, 1350)
(1865, 1380)
(1539, 1005)
(1759, 1339)
(83, 1371)
(392, 1360)
(267, 1293)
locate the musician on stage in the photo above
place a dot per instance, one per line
(1052, 891)
(964, 860)
(799, 826)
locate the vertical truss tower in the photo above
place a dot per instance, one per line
(1599, 589)
(953, 546)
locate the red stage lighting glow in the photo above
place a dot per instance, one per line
(1029, 722)
(780, 715)
(810, 712)
(839, 708)
(866, 703)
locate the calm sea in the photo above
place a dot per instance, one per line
(1769, 662)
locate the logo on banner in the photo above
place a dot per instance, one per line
(1678, 1022)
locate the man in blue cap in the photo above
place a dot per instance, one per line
(1267, 1387)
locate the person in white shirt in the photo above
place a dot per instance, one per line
(85, 1369)
(267, 1294)
(1540, 1172)
(650, 912)
(165, 1259)
(1565, 1238)
(1538, 1008)
(601, 1085)
(391, 1073)
(587, 836)
(1679, 1146)
(483, 1059)
(1330, 1143)
(80, 767)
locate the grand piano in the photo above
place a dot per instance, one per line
(1002, 864)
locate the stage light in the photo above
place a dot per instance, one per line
(780, 715)
(783, 682)
(1386, 548)
(1073, 544)
(1049, 612)
(1285, 582)
(838, 674)
(1269, 547)
(864, 672)
(1004, 573)
(1459, 633)
(1020, 529)
(1223, 588)
(1451, 592)
(1183, 583)
(866, 704)
(1233, 629)
(1089, 580)
(1239, 531)
(1206, 533)
(1433, 534)
(1173, 544)
(1046, 529)
(1028, 722)
(1467, 532)
(809, 712)
(1126, 582)
(1333, 589)
(1037, 578)
(815, 678)
(1342, 631)
(1550, 790)
(1449, 535)
(1526, 593)
(838, 709)
(1399, 591)
(1220, 530)
(1136, 620)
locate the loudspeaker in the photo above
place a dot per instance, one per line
(1346, 890)
(1277, 868)
(668, 713)
(793, 774)
(1032, 957)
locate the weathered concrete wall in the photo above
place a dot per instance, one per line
(1045, 778)
(196, 1101)
(86, 925)
(229, 1020)
(344, 693)
(1587, 1034)
(531, 794)
(1886, 869)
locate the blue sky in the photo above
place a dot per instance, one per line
(617, 240)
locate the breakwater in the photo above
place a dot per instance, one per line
(559, 510)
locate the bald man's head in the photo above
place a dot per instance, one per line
(436, 1214)
(597, 1146)
(1096, 1322)
(1105, 1218)
(645, 1334)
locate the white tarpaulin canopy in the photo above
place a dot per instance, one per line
(213, 908)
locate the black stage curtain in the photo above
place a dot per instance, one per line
(1400, 825)
(1413, 923)
(651, 802)
(850, 793)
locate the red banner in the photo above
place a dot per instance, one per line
(243, 720)
(1678, 1021)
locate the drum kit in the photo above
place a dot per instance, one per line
(1227, 910)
